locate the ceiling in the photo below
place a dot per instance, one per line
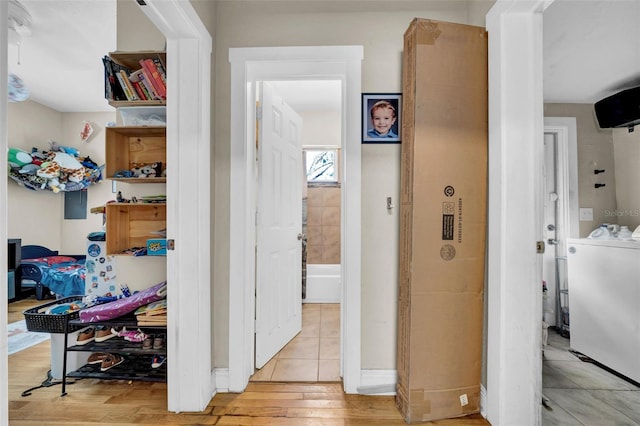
(60, 59)
(591, 50)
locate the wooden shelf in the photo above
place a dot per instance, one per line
(118, 104)
(140, 180)
(131, 59)
(132, 224)
(127, 146)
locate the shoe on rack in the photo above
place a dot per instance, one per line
(136, 336)
(85, 336)
(158, 341)
(133, 336)
(104, 333)
(158, 360)
(97, 357)
(148, 342)
(110, 361)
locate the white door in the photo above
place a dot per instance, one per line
(279, 226)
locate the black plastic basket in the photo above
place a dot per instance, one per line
(52, 323)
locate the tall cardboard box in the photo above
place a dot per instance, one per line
(443, 220)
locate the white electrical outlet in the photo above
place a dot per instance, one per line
(586, 214)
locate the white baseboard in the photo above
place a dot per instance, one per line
(323, 283)
(220, 380)
(483, 401)
(378, 382)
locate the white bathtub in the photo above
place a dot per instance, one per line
(323, 284)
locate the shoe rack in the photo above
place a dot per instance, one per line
(129, 359)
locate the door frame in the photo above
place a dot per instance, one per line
(249, 65)
(514, 269)
(189, 46)
(4, 369)
(564, 131)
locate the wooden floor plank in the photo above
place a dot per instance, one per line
(124, 403)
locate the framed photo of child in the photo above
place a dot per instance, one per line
(381, 113)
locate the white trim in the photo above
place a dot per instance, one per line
(514, 270)
(220, 377)
(565, 129)
(378, 382)
(323, 284)
(4, 372)
(190, 387)
(483, 401)
(287, 63)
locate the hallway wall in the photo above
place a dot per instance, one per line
(379, 27)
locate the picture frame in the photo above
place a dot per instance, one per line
(385, 104)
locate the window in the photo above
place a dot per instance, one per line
(321, 165)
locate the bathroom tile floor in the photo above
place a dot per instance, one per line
(582, 393)
(314, 354)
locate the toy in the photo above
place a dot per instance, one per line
(18, 158)
(147, 170)
(66, 149)
(56, 170)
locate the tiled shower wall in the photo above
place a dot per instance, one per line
(323, 225)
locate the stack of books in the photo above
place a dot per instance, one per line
(149, 82)
(154, 313)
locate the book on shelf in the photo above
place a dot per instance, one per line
(161, 70)
(153, 308)
(145, 79)
(152, 314)
(114, 91)
(152, 324)
(150, 69)
(145, 83)
(131, 93)
(136, 81)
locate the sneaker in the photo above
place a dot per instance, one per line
(158, 360)
(85, 336)
(103, 333)
(133, 336)
(136, 336)
(110, 361)
(118, 330)
(97, 357)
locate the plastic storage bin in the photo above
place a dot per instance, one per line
(143, 116)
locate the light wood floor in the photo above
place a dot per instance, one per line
(90, 401)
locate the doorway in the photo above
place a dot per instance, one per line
(248, 66)
(560, 221)
(298, 312)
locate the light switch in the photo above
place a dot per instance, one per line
(586, 214)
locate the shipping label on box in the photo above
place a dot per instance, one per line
(156, 247)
